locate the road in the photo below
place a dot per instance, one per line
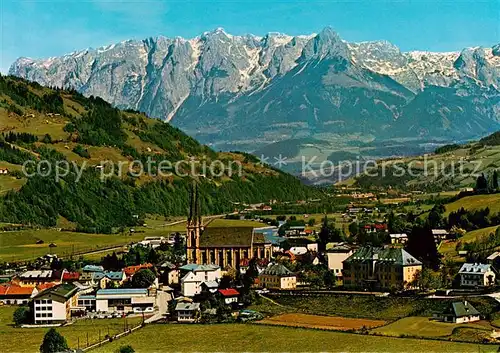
(162, 299)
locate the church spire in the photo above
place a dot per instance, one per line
(194, 206)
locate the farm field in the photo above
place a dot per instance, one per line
(449, 246)
(475, 202)
(425, 327)
(28, 340)
(365, 307)
(22, 245)
(321, 322)
(260, 338)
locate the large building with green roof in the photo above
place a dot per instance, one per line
(380, 268)
(222, 246)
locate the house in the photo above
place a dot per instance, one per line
(131, 270)
(336, 255)
(277, 276)
(296, 231)
(187, 312)
(124, 300)
(53, 305)
(440, 235)
(103, 279)
(37, 277)
(109, 278)
(230, 295)
(222, 246)
(461, 312)
(169, 273)
(12, 294)
(399, 238)
(4, 171)
(93, 268)
(493, 257)
(210, 287)
(70, 276)
(380, 268)
(476, 275)
(195, 275)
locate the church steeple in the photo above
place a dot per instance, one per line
(194, 226)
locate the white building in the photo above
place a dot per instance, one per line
(399, 238)
(476, 275)
(336, 255)
(124, 300)
(187, 312)
(195, 275)
(277, 276)
(461, 312)
(230, 295)
(54, 305)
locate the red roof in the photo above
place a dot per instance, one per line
(71, 276)
(131, 270)
(10, 289)
(230, 292)
(44, 286)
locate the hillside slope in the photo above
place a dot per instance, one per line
(58, 126)
(450, 167)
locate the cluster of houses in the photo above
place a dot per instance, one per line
(57, 296)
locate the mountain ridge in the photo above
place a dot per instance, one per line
(214, 86)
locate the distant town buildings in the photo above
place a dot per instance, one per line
(277, 276)
(380, 268)
(477, 275)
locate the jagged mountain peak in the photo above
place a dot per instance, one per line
(220, 86)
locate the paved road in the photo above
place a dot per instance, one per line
(162, 299)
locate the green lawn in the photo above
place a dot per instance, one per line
(370, 307)
(221, 222)
(475, 202)
(24, 340)
(256, 338)
(21, 245)
(8, 183)
(449, 247)
(425, 327)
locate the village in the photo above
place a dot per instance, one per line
(225, 271)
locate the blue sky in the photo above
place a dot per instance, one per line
(43, 28)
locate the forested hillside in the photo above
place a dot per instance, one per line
(57, 125)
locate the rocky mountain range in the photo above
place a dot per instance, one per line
(246, 92)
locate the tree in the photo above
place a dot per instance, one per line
(327, 234)
(126, 349)
(53, 342)
(481, 183)
(143, 278)
(22, 315)
(311, 222)
(422, 245)
(353, 229)
(494, 180)
(47, 139)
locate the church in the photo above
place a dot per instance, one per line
(222, 246)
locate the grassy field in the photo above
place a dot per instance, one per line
(321, 322)
(449, 247)
(425, 327)
(475, 202)
(256, 338)
(8, 183)
(24, 340)
(221, 222)
(22, 245)
(364, 306)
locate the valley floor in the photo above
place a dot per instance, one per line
(260, 338)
